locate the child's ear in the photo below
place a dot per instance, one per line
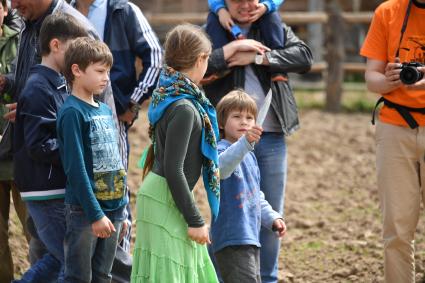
(199, 61)
(54, 45)
(76, 71)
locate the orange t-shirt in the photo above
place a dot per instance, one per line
(381, 44)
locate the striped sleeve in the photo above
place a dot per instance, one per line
(146, 46)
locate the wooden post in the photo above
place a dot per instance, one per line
(315, 30)
(335, 56)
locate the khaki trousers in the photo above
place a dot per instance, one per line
(400, 153)
(7, 188)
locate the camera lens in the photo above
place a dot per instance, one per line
(410, 75)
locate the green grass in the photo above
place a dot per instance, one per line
(355, 98)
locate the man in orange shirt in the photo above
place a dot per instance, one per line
(397, 37)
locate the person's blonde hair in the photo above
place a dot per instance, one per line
(237, 100)
(84, 51)
(183, 46)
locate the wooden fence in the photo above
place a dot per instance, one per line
(334, 22)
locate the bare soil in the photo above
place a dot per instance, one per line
(332, 207)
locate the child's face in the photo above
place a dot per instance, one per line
(237, 124)
(95, 78)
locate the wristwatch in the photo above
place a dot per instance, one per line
(258, 60)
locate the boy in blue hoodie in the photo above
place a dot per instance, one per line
(38, 171)
(96, 193)
(243, 209)
(266, 13)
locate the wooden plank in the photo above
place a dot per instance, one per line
(358, 17)
(319, 67)
(354, 67)
(291, 18)
(294, 18)
(348, 67)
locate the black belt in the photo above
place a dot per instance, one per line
(404, 111)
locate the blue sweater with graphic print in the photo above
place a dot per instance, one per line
(88, 144)
(243, 208)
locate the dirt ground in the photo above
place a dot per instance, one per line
(334, 227)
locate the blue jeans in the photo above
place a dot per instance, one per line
(49, 221)
(272, 161)
(270, 27)
(87, 257)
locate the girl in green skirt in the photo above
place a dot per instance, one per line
(171, 235)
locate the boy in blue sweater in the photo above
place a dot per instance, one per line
(220, 23)
(95, 194)
(243, 209)
(38, 172)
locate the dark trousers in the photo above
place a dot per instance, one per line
(8, 188)
(270, 26)
(239, 264)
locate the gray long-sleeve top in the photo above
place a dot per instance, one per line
(178, 156)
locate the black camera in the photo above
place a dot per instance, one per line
(410, 74)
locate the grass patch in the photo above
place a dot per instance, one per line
(355, 98)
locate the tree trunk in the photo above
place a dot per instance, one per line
(335, 56)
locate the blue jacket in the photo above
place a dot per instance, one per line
(128, 34)
(272, 5)
(38, 170)
(243, 208)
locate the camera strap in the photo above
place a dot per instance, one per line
(403, 28)
(404, 112)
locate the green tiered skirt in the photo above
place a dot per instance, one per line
(163, 252)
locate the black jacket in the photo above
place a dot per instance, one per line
(294, 57)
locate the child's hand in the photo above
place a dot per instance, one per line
(11, 115)
(254, 134)
(257, 13)
(279, 226)
(225, 18)
(200, 235)
(125, 224)
(103, 228)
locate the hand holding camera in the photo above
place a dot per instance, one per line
(411, 73)
(420, 84)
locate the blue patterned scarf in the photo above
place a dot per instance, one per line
(173, 86)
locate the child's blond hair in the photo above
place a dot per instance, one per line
(237, 100)
(184, 44)
(84, 51)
